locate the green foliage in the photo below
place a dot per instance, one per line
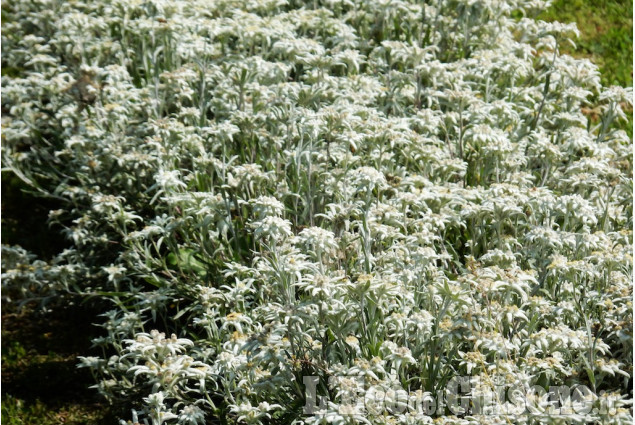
(40, 381)
(606, 37)
(265, 190)
(606, 34)
(16, 411)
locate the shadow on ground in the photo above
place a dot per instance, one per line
(40, 379)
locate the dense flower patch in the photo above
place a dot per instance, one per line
(292, 202)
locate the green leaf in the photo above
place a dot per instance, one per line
(186, 260)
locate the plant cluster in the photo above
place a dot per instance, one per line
(268, 190)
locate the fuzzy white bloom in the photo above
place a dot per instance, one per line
(317, 240)
(389, 191)
(367, 179)
(274, 228)
(267, 206)
(191, 415)
(169, 179)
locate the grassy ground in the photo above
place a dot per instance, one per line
(41, 384)
(606, 34)
(606, 37)
(40, 381)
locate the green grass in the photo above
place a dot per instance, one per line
(41, 383)
(18, 412)
(606, 35)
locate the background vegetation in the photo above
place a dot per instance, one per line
(606, 38)
(39, 348)
(606, 35)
